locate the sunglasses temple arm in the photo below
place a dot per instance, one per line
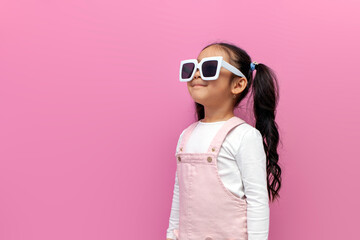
(232, 69)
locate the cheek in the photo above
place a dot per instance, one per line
(188, 86)
(218, 85)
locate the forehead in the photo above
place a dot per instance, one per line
(213, 51)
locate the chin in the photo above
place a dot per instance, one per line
(199, 100)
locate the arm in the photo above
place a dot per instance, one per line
(174, 214)
(251, 159)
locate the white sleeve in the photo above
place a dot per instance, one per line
(174, 214)
(251, 159)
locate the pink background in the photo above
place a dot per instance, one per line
(91, 111)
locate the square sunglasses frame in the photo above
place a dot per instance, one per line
(221, 63)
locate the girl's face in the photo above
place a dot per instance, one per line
(213, 93)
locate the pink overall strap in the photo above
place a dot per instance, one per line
(187, 134)
(216, 143)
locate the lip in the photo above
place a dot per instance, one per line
(198, 85)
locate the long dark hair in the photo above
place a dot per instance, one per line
(265, 91)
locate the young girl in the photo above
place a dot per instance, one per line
(227, 170)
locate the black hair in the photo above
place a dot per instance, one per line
(265, 91)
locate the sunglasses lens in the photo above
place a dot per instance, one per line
(187, 70)
(209, 68)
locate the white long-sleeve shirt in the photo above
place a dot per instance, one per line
(242, 169)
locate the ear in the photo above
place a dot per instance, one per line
(238, 85)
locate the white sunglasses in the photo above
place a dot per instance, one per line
(209, 68)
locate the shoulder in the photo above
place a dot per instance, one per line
(245, 130)
(187, 127)
(250, 146)
(182, 134)
(245, 136)
(178, 142)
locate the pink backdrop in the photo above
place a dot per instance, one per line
(91, 110)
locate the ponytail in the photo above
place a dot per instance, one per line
(265, 92)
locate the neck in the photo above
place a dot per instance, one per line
(217, 117)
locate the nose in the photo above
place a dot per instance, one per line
(197, 74)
